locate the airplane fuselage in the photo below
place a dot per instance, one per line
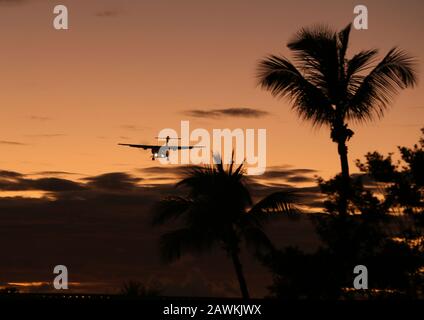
(160, 152)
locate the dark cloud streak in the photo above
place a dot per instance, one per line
(113, 181)
(12, 143)
(46, 135)
(38, 118)
(227, 112)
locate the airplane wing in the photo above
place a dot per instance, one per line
(155, 147)
(141, 146)
(183, 147)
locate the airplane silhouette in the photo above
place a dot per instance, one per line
(160, 151)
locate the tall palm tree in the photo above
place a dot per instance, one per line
(217, 211)
(327, 88)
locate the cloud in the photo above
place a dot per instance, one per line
(227, 112)
(13, 181)
(53, 185)
(46, 135)
(160, 171)
(300, 179)
(132, 127)
(12, 143)
(36, 287)
(9, 174)
(113, 181)
(54, 173)
(39, 118)
(285, 172)
(276, 178)
(98, 227)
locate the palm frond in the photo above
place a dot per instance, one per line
(314, 44)
(375, 93)
(198, 178)
(170, 208)
(282, 202)
(343, 42)
(240, 170)
(283, 79)
(316, 52)
(175, 243)
(360, 62)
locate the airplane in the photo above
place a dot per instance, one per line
(160, 151)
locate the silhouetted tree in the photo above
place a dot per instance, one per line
(383, 231)
(218, 211)
(402, 185)
(133, 288)
(328, 88)
(404, 182)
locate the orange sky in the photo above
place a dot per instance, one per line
(127, 69)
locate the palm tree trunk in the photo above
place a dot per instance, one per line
(240, 276)
(342, 149)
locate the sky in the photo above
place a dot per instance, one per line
(126, 70)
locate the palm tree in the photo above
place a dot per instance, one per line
(217, 211)
(327, 88)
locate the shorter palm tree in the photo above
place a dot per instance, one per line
(217, 211)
